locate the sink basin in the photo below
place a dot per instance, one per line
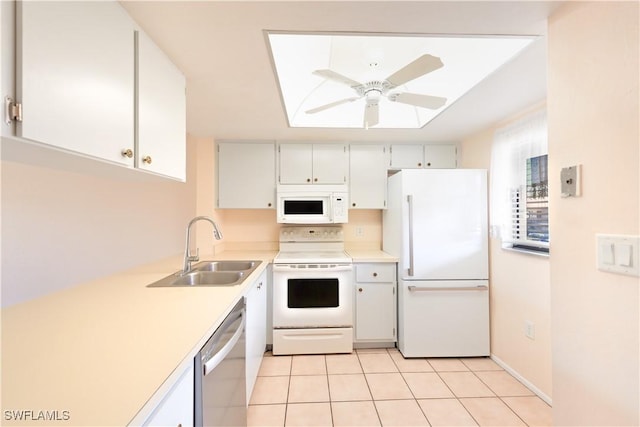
(209, 278)
(225, 266)
(202, 278)
(210, 273)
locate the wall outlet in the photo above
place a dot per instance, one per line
(529, 330)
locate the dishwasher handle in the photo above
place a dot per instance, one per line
(215, 360)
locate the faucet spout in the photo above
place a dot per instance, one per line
(188, 257)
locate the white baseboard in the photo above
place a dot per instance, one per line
(522, 379)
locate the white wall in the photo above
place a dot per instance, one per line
(520, 287)
(593, 119)
(61, 228)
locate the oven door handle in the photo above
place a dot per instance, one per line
(315, 268)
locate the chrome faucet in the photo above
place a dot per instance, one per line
(188, 258)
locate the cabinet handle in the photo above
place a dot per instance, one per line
(308, 179)
(419, 165)
(127, 153)
(429, 164)
(269, 204)
(375, 274)
(359, 289)
(315, 179)
(353, 204)
(147, 160)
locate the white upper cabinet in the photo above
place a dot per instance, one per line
(246, 175)
(161, 112)
(368, 176)
(89, 83)
(308, 163)
(440, 156)
(406, 156)
(411, 156)
(329, 164)
(75, 77)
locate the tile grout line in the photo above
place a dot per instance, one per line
(373, 400)
(501, 397)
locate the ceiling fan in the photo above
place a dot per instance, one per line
(373, 90)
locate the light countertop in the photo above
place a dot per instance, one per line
(101, 350)
(370, 255)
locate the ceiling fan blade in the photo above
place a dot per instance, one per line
(371, 114)
(421, 66)
(331, 105)
(425, 101)
(336, 77)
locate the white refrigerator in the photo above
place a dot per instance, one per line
(436, 224)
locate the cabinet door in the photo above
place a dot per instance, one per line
(440, 156)
(161, 112)
(246, 175)
(75, 76)
(176, 409)
(296, 163)
(368, 176)
(375, 311)
(407, 156)
(256, 330)
(329, 164)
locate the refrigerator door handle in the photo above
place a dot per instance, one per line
(410, 201)
(443, 288)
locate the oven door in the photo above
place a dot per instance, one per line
(312, 296)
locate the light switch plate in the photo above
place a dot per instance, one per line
(618, 254)
(571, 181)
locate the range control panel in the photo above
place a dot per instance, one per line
(330, 233)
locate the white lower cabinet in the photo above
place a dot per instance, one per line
(176, 408)
(256, 329)
(375, 302)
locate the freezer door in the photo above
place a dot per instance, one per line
(446, 234)
(443, 318)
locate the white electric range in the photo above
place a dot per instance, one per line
(312, 292)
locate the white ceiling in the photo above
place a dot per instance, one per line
(232, 91)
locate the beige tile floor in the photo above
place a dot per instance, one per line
(378, 387)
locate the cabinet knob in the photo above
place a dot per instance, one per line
(127, 153)
(269, 204)
(315, 179)
(375, 274)
(147, 160)
(359, 289)
(419, 165)
(429, 164)
(308, 179)
(353, 204)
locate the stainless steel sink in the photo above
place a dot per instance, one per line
(209, 278)
(225, 266)
(210, 273)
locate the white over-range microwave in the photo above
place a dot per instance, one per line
(311, 205)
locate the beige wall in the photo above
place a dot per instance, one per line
(593, 121)
(520, 286)
(61, 228)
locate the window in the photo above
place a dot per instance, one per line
(519, 185)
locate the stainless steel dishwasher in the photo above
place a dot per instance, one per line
(220, 386)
